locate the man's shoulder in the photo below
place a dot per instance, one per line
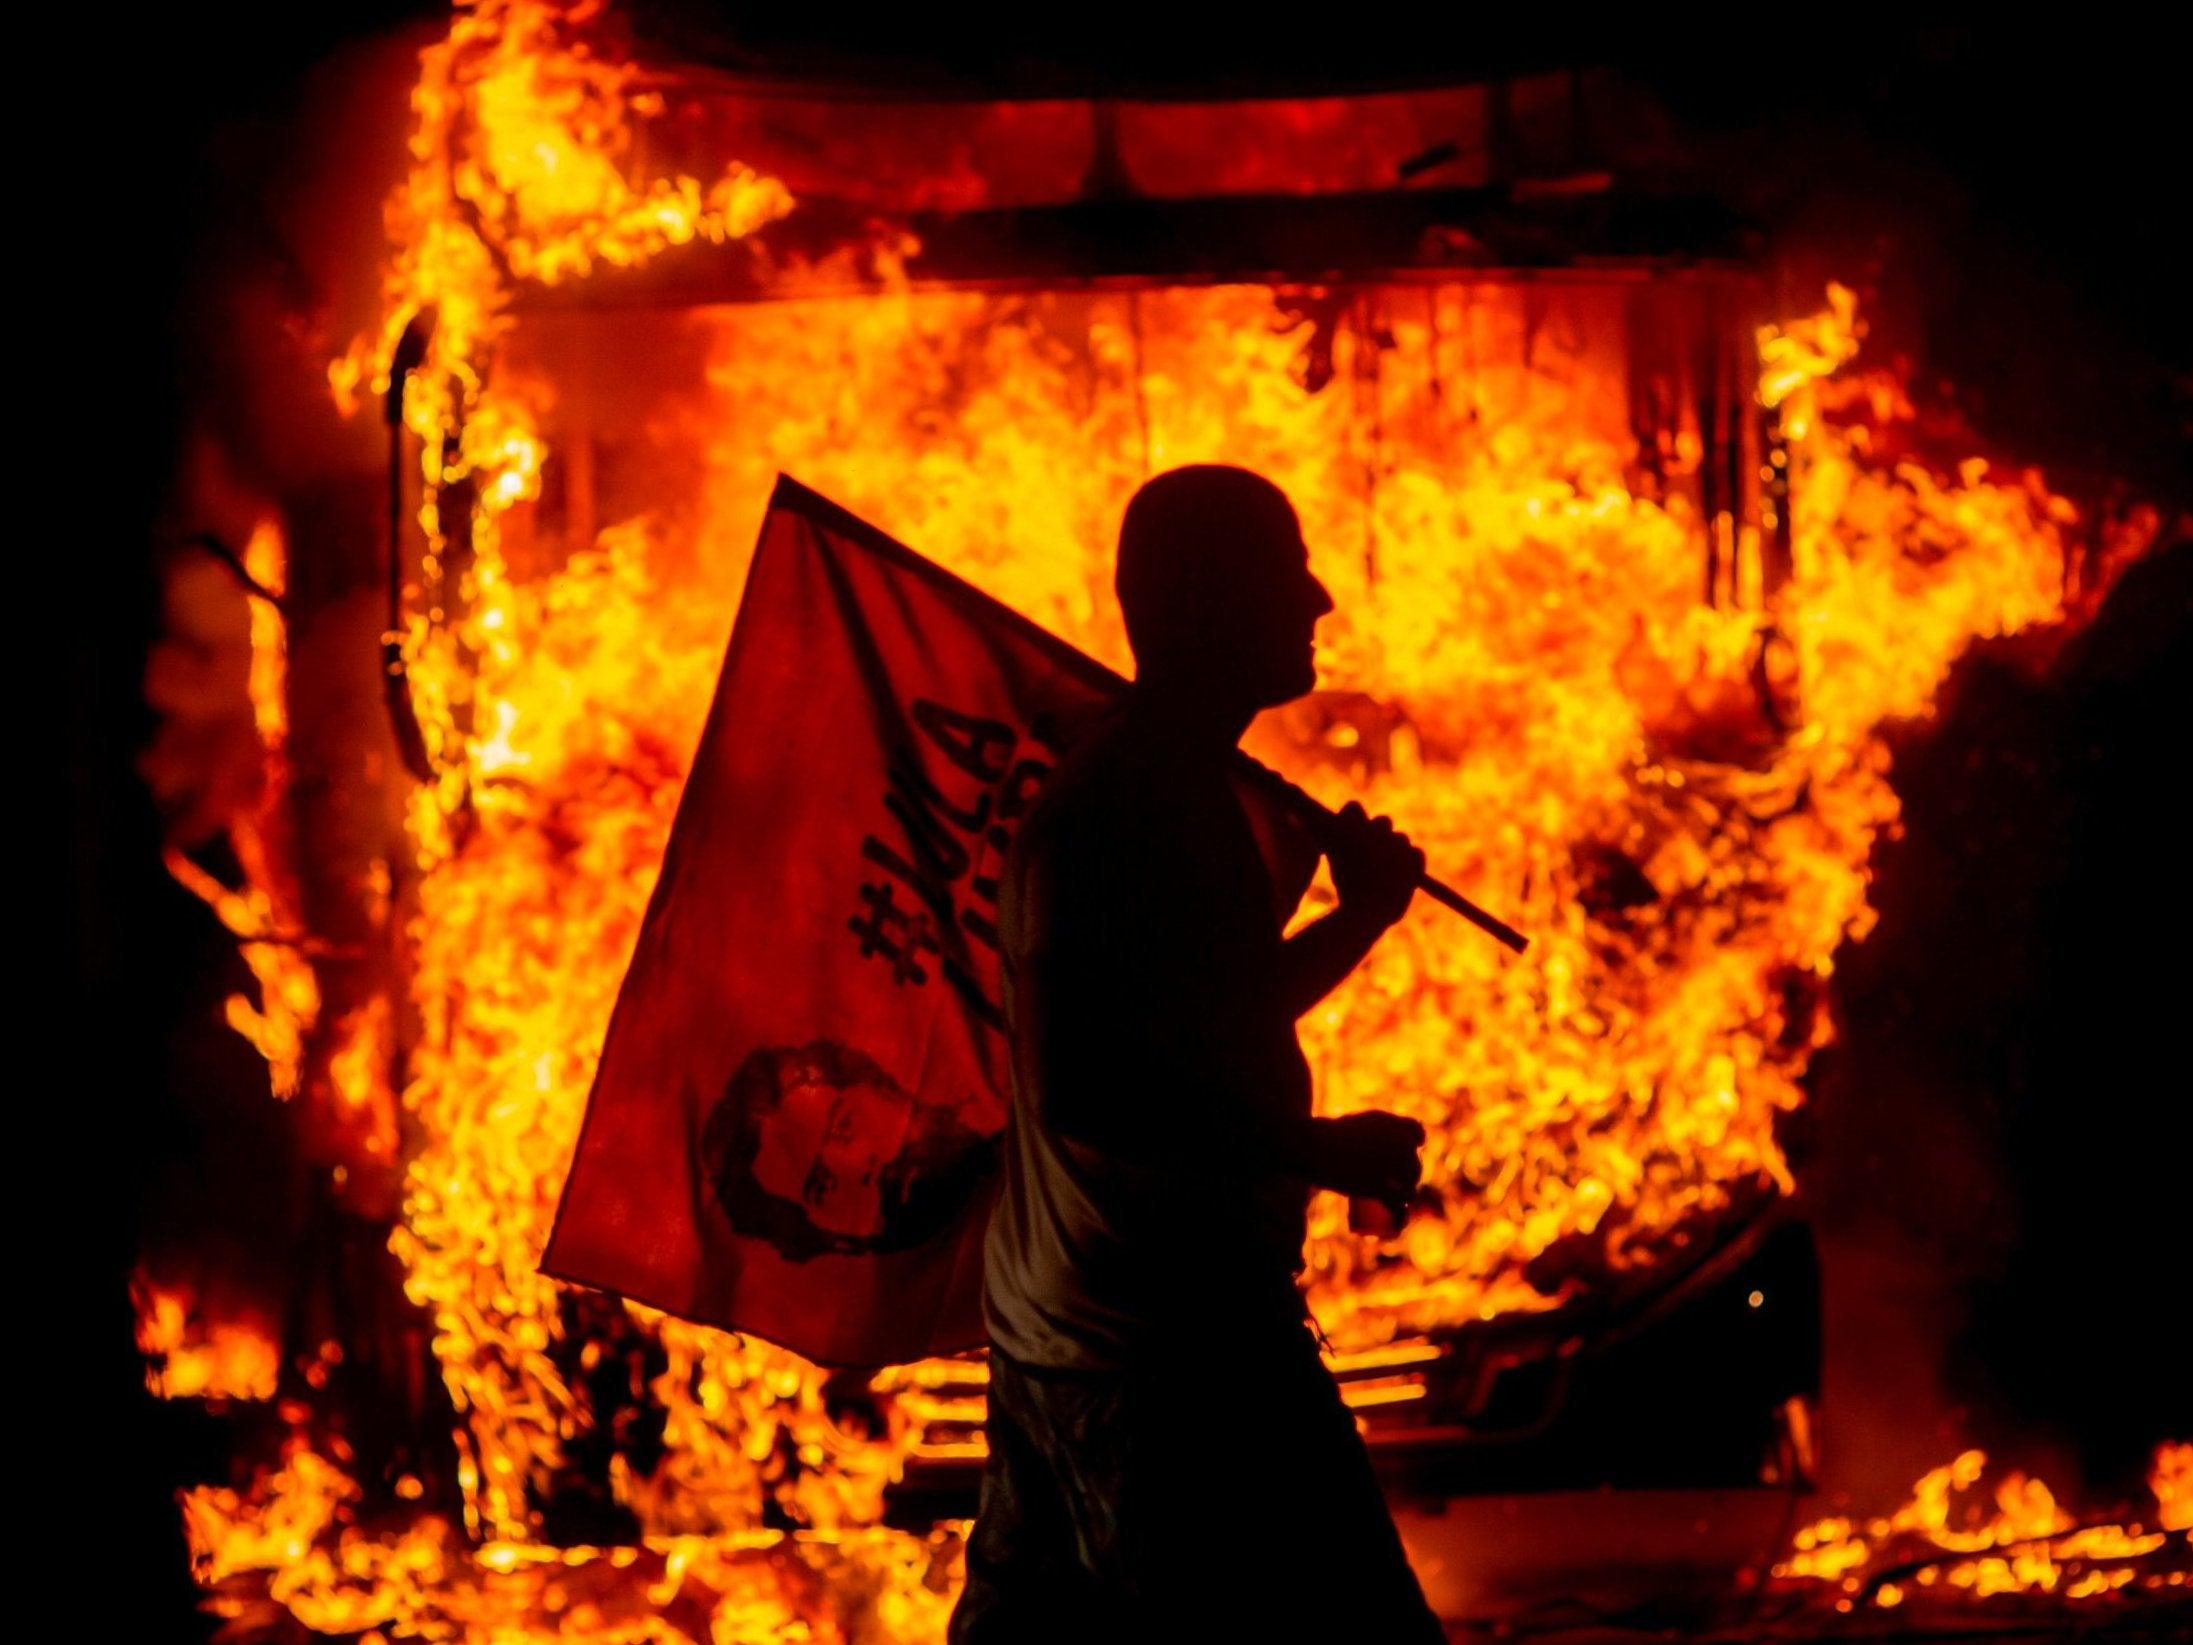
(1120, 779)
(1078, 802)
(1124, 807)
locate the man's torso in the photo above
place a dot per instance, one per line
(1142, 953)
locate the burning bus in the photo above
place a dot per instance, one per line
(1640, 555)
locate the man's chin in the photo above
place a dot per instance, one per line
(1280, 692)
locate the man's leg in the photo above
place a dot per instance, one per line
(1043, 1564)
(1366, 1583)
(1274, 1526)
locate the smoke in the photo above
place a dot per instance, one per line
(1998, 1153)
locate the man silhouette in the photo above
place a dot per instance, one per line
(1167, 1452)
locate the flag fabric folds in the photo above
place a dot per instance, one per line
(796, 1119)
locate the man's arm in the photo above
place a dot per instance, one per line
(1375, 869)
(1368, 1156)
(1126, 1005)
(1224, 1130)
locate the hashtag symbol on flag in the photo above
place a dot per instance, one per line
(893, 933)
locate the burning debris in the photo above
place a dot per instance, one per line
(1678, 796)
(1956, 1539)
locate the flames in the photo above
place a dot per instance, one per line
(191, 1356)
(1677, 801)
(522, 152)
(264, 915)
(1954, 1533)
(294, 1536)
(2172, 1482)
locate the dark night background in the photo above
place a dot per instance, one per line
(2021, 186)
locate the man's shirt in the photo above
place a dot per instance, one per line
(1154, 1059)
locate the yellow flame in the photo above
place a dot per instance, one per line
(264, 913)
(2015, 1539)
(523, 153)
(358, 1076)
(192, 1357)
(1798, 353)
(2172, 1482)
(266, 558)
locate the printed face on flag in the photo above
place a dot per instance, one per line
(803, 1086)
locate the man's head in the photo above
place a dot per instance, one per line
(1215, 584)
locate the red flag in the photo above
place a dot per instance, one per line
(795, 1121)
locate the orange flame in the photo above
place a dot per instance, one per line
(263, 913)
(189, 1356)
(1947, 1534)
(2172, 1482)
(358, 1073)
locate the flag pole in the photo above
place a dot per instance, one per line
(1319, 817)
(1447, 897)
